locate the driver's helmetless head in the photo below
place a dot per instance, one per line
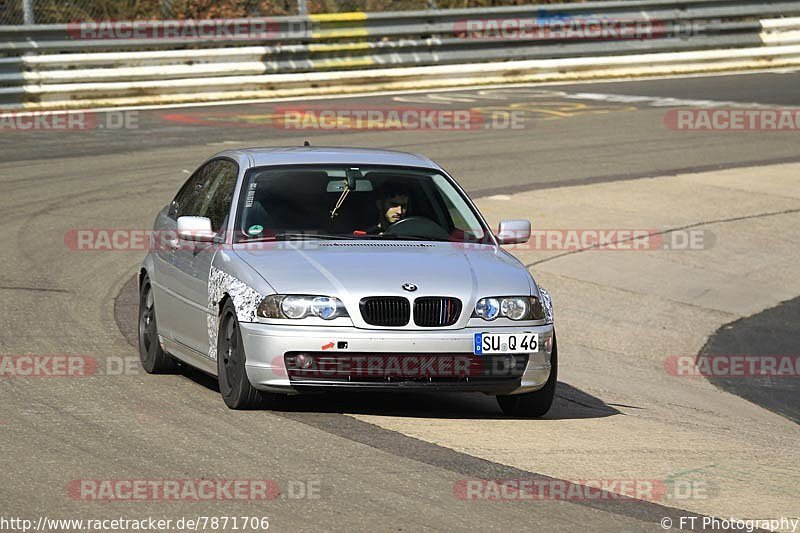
(392, 206)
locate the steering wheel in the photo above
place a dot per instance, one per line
(417, 227)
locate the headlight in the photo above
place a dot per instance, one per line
(487, 308)
(514, 308)
(324, 307)
(295, 307)
(511, 307)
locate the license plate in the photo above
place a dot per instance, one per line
(488, 343)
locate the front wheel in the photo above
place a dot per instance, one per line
(537, 403)
(154, 359)
(236, 390)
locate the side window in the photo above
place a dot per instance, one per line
(189, 199)
(218, 195)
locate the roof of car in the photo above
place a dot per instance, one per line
(292, 155)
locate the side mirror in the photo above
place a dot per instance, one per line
(196, 229)
(514, 231)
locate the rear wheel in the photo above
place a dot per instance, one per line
(236, 390)
(537, 403)
(154, 359)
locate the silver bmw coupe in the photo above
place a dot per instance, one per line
(292, 270)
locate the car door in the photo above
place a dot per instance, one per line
(193, 259)
(169, 289)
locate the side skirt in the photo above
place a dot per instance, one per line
(190, 356)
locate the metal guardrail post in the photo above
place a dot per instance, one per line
(11, 82)
(27, 12)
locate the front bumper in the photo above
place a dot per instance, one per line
(266, 347)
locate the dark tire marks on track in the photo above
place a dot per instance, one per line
(769, 333)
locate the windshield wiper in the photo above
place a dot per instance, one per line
(296, 235)
(309, 236)
(402, 237)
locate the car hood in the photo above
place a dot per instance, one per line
(353, 270)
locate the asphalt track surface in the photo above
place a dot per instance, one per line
(136, 426)
(563, 140)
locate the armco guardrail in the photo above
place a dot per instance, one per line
(117, 63)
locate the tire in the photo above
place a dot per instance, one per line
(154, 359)
(236, 390)
(537, 403)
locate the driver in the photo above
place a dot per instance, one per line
(392, 205)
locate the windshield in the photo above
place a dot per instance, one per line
(352, 202)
